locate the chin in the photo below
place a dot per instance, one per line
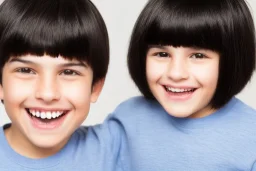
(47, 142)
(179, 113)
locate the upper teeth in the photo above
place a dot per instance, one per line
(178, 89)
(46, 114)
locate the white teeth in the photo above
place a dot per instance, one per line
(33, 112)
(37, 114)
(54, 115)
(60, 113)
(177, 90)
(48, 115)
(45, 115)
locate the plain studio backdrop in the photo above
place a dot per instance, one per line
(120, 16)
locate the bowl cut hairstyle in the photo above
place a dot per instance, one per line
(224, 26)
(73, 29)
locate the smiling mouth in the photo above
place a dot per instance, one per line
(46, 115)
(179, 90)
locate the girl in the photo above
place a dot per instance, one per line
(189, 59)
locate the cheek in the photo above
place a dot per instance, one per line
(154, 70)
(78, 93)
(15, 93)
(207, 75)
(16, 90)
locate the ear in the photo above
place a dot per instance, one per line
(96, 89)
(1, 92)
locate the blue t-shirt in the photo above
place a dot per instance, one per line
(141, 136)
(156, 141)
(89, 149)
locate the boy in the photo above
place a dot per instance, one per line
(54, 57)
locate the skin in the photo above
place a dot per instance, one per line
(46, 84)
(180, 69)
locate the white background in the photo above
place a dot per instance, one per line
(120, 16)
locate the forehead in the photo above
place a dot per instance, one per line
(45, 59)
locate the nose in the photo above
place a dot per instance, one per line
(177, 70)
(47, 89)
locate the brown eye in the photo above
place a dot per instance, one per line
(69, 72)
(25, 70)
(198, 56)
(162, 54)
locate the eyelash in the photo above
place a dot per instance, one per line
(26, 70)
(70, 71)
(195, 55)
(201, 56)
(159, 54)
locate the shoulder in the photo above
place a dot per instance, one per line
(130, 112)
(134, 101)
(137, 110)
(91, 138)
(138, 103)
(243, 109)
(242, 119)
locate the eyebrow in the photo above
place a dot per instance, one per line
(158, 46)
(21, 60)
(70, 64)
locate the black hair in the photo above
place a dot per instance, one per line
(73, 29)
(224, 26)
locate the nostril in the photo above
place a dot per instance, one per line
(48, 95)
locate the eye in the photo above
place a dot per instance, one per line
(69, 72)
(198, 56)
(25, 70)
(162, 54)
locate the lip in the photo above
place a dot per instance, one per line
(46, 109)
(180, 97)
(179, 87)
(46, 124)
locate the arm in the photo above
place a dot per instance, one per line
(253, 167)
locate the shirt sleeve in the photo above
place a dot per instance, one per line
(253, 167)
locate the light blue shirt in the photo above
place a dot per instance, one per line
(89, 149)
(156, 141)
(140, 136)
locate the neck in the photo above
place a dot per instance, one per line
(24, 147)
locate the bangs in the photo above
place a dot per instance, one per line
(190, 24)
(224, 26)
(57, 30)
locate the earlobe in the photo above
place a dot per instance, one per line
(96, 90)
